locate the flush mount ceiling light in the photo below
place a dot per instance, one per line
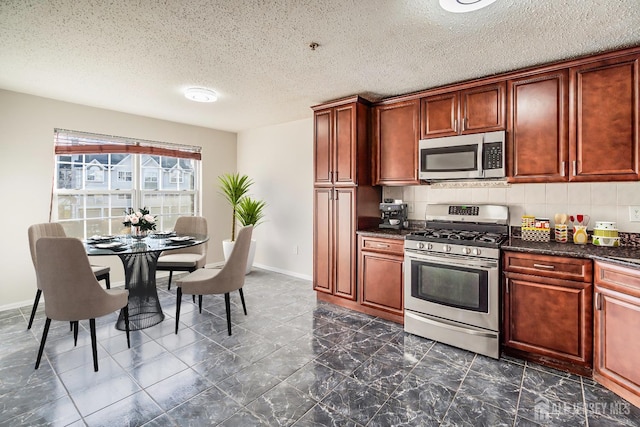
(461, 6)
(200, 94)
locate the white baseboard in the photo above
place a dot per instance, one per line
(287, 272)
(17, 305)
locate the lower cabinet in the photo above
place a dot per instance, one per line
(547, 315)
(380, 275)
(617, 330)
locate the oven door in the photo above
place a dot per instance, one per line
(453, 287)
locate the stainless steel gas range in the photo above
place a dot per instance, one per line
(452, 276)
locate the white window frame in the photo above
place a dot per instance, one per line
(138, 196)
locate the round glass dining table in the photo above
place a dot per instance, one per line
(140, 257)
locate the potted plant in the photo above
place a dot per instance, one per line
(246, 210)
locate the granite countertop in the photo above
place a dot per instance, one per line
(632, 253)
(387, 233)
(577, 251)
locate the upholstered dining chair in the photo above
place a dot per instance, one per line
(54, 229)
(185, 259)
(71, 290)
(207, 281)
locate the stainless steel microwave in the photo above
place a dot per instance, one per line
(474, 156)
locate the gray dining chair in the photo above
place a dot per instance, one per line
(185, 259)
(54, 229)
(229, 278)
(71, 290)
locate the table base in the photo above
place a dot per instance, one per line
(140, 280)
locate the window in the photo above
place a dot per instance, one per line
(98, 177)
(124, 176)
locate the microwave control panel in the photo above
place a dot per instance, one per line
(492, 155)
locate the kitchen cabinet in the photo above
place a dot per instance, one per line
(341, 154)
(604, 128)
(537, 127)
(617, 329)
(547, 315)
(344, 199)
(396, 136)
(334, 242)
(380, 276)
(472, 110)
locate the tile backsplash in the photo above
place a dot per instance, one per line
(606, 201)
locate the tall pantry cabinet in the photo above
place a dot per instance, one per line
(344, 199)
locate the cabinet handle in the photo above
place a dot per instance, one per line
(562, 166)
(464, 124)
(506, 285)
(337, 194)
(331, 194)
(455, 125)
(598, 301)
(575, 168)
(547, 267)
(380, 245)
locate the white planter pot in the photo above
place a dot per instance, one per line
(227, 247)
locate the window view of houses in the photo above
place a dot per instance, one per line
(92, 191)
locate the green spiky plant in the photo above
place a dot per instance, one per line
(234, 188)
(250, 211)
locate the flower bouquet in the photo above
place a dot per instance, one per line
(140, 221)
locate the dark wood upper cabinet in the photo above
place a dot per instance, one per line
(341, 144)
(537, 127)
(604, 120)
(472, 110)
(396, 137)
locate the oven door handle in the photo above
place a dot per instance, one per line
(448, 260)
(446, 325)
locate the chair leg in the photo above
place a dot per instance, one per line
(75, 333)
(193, 297)
(107, 281)
(125, 312)
(200, 303)
(178, 302)
(71, 326)
(47, 323)
(227, 306)
(244, 306)
(170, 276)
(94, 345)
(35, 306)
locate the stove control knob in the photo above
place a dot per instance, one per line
(466, 251)
(446, 248)
(476, 251)
(429, 246)
(420, 245)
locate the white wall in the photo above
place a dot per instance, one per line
(26, 173)
(603, 201)
(280, 160)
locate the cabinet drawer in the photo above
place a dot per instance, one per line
(549, 266)
(618, 278)
(377, 244)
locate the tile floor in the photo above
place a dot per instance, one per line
(291, 361)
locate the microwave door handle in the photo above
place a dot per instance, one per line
(481, 159)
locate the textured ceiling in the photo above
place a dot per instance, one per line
(138, 56)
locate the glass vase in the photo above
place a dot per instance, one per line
(138, 233)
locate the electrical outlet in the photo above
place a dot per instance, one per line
(295, 250)
(634, 213)
(409, 207)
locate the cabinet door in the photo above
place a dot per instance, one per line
(381, 281)
(323, 267)
(345, 245)
(396, 134)
(617, 329)
(538, 133)
(547, 319)
(482, 109)
(605, 128)
(345, 144)
(323, 147)
(439, 115)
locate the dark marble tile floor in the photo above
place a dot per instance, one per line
(291, 361)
